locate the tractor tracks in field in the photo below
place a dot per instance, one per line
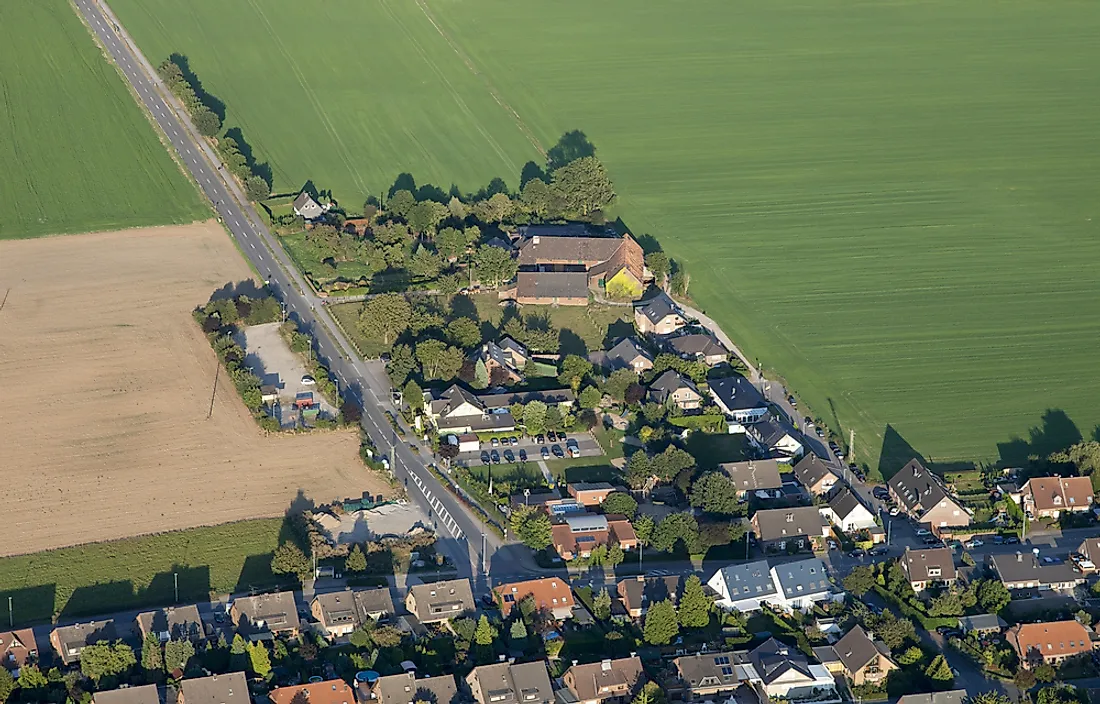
(493, 92)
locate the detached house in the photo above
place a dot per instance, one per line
(707, 676)
(862, 660)
(922, 496)
(753, 475)
(1047, 497)
(926, 568)
(637, 594)
(306, 207)
(658, 316)
(776, 437)
(263, 616)
(504, 363)
(590, 494)
(1026, 571)
(626, 354)
(604, 681)
(456, 410)
(1049, 643)
(340, 613)
(231, 688)
(69, 641)
(814, 474)
(578, 534)
(549, 594)
(17, 648)
(405, 688)
(802, 526)
(440, 601)
(739, 400)
(744, 587)
(676, 389)
(699, 348)
(847, 512)
(785, 673)
(511, 683)
(172, 623)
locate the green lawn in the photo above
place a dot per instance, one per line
(123, 574)
(77, 152)
(890, 204)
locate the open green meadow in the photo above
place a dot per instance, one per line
(125, 574)
(77, 152)
(890, 204)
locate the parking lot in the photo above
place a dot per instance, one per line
(269, 357)
(525, 446)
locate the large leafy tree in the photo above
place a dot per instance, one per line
(715, 492)
(676, 529)
(438, 360)
(493, 265)
(106, 659)
(661, 624)
(534, 417)
(590, 397)
(177, 653)
(385, 316)
(695, 606)
(464, 332)
(451, 243)
(574, 370)
(584, 184)
(401, 364)
(620, 502)
(425, 216)
(532, 526)
(860, 580)
(289, 559)
(993, 595)
(400, 203)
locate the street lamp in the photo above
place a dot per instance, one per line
(526, 499)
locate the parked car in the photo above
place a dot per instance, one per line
(946, 630)
(495, 456)
(1012, 540)
(793, 401)
(545, 452)
(574, 451)
(307, 380)
(858, 552)
(562, 436)
(540, 439)
(494, 442)
(513, 440)
(523, 455)
(551, 436)
(833, 545)
(923, 531)
(894, 510)
(558, 452)
(880, 492)
(932, 540)
(820, 433)
(878, 550)
(508, 456)
(484, 457)
(998, 540)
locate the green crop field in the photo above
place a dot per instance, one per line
(77, 152)
(125, 574)
(892, 205)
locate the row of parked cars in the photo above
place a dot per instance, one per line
(494, 457)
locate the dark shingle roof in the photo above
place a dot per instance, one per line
(915, 563)
(625, 352)
(752, 580)
(658, 308)
(811, 469)
(179, 622)
(704, 345)
(552, 284)
(773, 659)
(855, 649)
(783, 523)
(844, 502)
(753, 474)
(916, 485)
(737, 393)
(231, 688)
(550, 397)
(1026, 567)
(144, 694)
(954, 696)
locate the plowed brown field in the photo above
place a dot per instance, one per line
(107, 383)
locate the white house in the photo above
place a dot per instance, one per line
(800, 585)
(739, 400)
(785, 673)
(777, 438)
(744, 587)
(847, 512)
(308, 208)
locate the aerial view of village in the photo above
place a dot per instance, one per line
(486, 352)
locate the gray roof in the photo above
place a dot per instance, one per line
(856, 649)
(639, 591)
(710, 670)
(353, 606)
(569, 229)
(658, 308)
(591, 486)
(811, 469)
(802, 577)
(753, 474)
(369, 601)
(844, 502)
(302, 200)
(954, 696)
(669, 382)
(783, 523)
(143, 694)
(266, 612)
(505, 683)
(78, 635)
(231, 688)
(485, 423)
(437, 599)
(982, 622)
(751, 580)
(698, 344)
(1026, 567)
(179, 622)
(403, 688)
(773, 659)
(625, 352)
(552, 284)
(917, 486)
(549, 397)
(826, 654)
(453, 397)
(737, 393)
(771, 430)
(915, 564)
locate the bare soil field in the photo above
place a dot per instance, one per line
(107, 385)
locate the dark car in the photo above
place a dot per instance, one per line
(508, 456)
(484, 457)
(858, 552)
(540, 439)
(931, 540)
(545, 452)
(558, 452)
(495, 456)
(998, 539)
(880, 492)
(513, 441)
(562, 437)
(879, 550)
(793, 401)
(551, 436)
(523, 455)
(1012, 540)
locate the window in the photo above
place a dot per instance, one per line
(727, 671)
(723, 660)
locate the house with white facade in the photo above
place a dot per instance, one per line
(800, 585)
(847, 512)
(739, 400)
(789, 586)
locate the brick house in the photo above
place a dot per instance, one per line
(576, 535)
(814, 474)
(605, 681)
(1049, 643)
(802, 526)
(925, 568)
(922, 495)
(550, 594)
(658, 316)
(675, 389)
(1047, 497)
(590, 494)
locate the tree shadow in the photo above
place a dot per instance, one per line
(215, 105)
(30, 604)
(463, 306)
(1055, 432)
(530, 172)
(256, 574)
(231, 290)
(95, 599)
(263, 170)
(571, 146)
(570, 342)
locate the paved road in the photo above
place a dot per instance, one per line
(364, 382)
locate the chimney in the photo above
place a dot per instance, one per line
(535, 239)
(605, 665)
(574, 663)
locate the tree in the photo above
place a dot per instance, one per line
(425, 263)
(534, 417)
(989, 698)
(938, 670)
(618, 383)
(657, 262)
(695, 606)
(485, 632)
(601, 605)
(910, 656)
(497, 209)
(451, 243)
(438, 360)
(674, 529)
(651, 694)
(386, 637)
(643, 529)
(536, 197)
(152, 655)
(1083, 617)
(356, 561)
(177, 653)
(1024, 679)
(615, 555)
(258, 659)
(860, 580)
(206, 122)
(715, 492)
(1085, 456)
(256, 188)
(106, 659)
(993, 595)
(385, 316)
(571, 146)
(493, 265)
(1044, 673)
(895, 632)
(482, 377)
(425, 216)
(574, 370)
(31, 678)
(620, 502)
(634, 394)
(464, 332)
(7, 684)
(679, 282)
(590, 397)
(518, 630)
(660, 623)
(946, 604)
(532, 526)
(401, 364)
(584, 184)
(400, 203)
(413, 395)
(289, 559)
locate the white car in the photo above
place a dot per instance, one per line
(574, 451)
(894, 510)
(923, 531)
(307, 380)
(975, 543)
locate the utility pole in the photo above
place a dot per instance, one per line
(176, 585)
(851, 445)
(11, 616)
